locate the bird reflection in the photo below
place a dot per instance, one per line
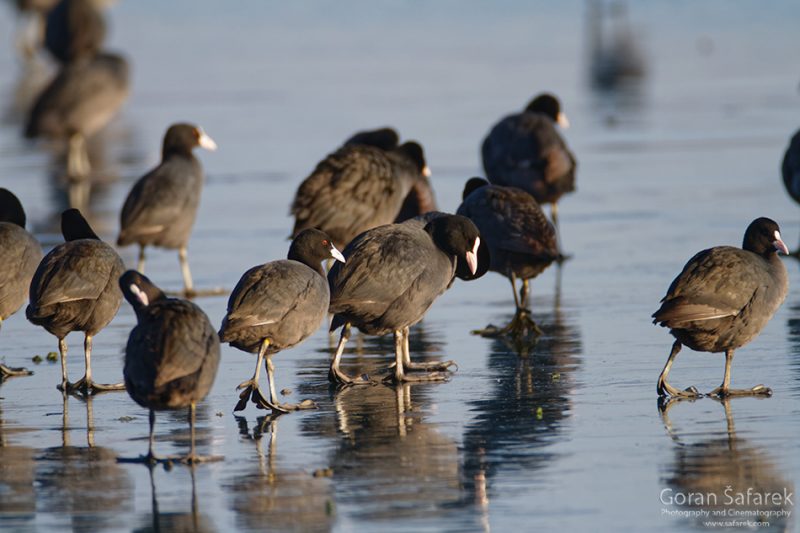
(84, 483)
(515, 425)
(280, 499)
(716, 472)
(174, 521)
(794, 340)
(17, 475)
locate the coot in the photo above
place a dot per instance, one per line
(172, 354)
(522, 242)
(81, 99)
(383, 138)
(276, 306)
(20, 254)
(722, 300)
(392, 276)
(525, 150)
(74, 29)
(75, 289)
(357, 188)
(161, 207)
(791, 171)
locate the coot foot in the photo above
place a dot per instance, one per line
(340, 378)
(10, 371)
(149, 459)
(401, 377)
(758, 390)
(193, 459)
(665, 389)
(428, 366)
(521, 326)
(89, 387)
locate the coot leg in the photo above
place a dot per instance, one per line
(62, 351)
(665, 389)
(188, 288)
(724, 390)
(523, 294)
(150, 458)
(193, 458)
(85, 385)
(522, 325)
(335, 375)
(432, 365)
(251, 388)
(140, 265)
(77, 158)
(274, 403)
(10, 371)
(400, 375)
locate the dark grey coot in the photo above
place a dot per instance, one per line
(525, 150)
(392, 275)
(276, 306)
(75, 289)
(791, 172)
(161, 207)
(74, 28)
(522, 242)
(722, 300)
(172, 355)
(20, 254)
(421, 198)
(356, 188)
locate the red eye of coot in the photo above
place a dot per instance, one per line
(325, 243)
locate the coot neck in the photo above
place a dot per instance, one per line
(313, 263)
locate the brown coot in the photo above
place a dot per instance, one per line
(791, 172)
(172, 354)
(276, 306)
(81, 99)
(722, 300)
(75, 289)
(161, 207)
(392, 276)
(525, 150)
(20, 254)
(522, 242)
(356, 188)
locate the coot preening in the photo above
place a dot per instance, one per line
(161, 207)
(20, 254)
(356, 188)
(75, 289)
(392, 276)
(522, 242)
(420, 199)
(81, 99)
(722, 300)
(171, 357)
(525, 150)
(791, 172)
(276, 306)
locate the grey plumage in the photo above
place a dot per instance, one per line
(21, 254)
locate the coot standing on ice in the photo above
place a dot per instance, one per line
(276, 306)
(392, 275)
(525, 150)
(161, 207)
(356, 188)
(75, 289)
(20, 254)
(172, 354)
(522, 242)
(722, 300)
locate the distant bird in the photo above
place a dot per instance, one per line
(615, 56)
(75, 29)
(791, 171)
(172, 354)
(20, 254)
(420, 199)
(722, 300)
(392, 275)
(276, 306)
(358, 187)
(82, 98)
(525, 150)
(75, 289)
(161, 207)
(522, 242)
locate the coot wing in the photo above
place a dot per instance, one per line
(190, 342)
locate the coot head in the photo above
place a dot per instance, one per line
(458, 236)
(74, 226)
(763, 237)
(472, 185)
(311, 247)
(182, 138)
(138, 290)
(413, 151)
(383, 138)
(11, 209)
(548, 104)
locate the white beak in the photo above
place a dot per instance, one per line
(426, 171)
(336, 254)
(206, 142)
(562, 120)
(140, 295)
(779, 244)
(472, 256)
